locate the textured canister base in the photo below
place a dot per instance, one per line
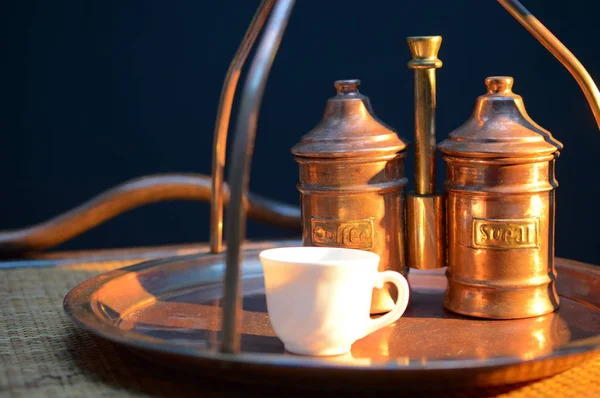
(495, 302)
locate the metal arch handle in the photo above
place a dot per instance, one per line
(560, 52)
(246, 129)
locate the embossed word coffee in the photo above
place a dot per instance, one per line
(352, 184)
(357, 234)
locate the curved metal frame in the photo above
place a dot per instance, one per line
(239, 175)
(130, 195)
(222, 124)
(246, 129)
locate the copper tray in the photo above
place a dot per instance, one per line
(168, 310)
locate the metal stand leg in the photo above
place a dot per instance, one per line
(239, 175)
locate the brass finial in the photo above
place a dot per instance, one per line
(424, 50)
(349, 86)
(499, 84)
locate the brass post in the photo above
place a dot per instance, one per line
(424, 50)
(425, 208)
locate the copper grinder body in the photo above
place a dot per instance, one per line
(500, 210)
(352, 184)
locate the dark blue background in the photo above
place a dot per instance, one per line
(97, 92)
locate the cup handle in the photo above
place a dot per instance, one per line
(401, 304)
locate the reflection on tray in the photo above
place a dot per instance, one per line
(170, 310)
(425, 332)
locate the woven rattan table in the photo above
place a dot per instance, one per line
(43, 354)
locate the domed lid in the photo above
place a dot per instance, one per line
(500, 126)
(349, 128)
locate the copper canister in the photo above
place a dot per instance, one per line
(352, 184)
(500, 210)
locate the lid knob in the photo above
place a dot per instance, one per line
(499, 84)
(349, 86)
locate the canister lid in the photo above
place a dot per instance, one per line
(349, 128)
(500, 126)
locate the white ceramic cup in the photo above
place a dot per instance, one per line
(319, 298)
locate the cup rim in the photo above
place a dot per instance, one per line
(354, 255)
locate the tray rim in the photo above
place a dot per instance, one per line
(73, 306)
